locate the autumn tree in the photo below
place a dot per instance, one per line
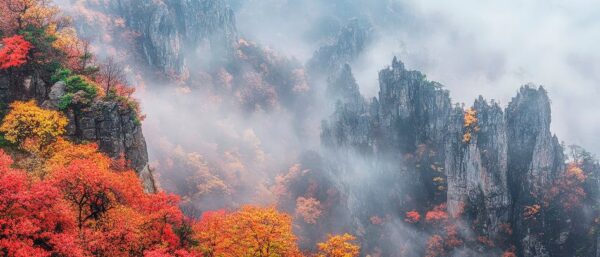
(114, 216)
(13, 52)
(91, 190)
(112, 73)
(412, 217)
(34, 220)
(262, 232)
(435, 246)
(339, 246)
(63, 152)
(76, 51)
(437, 215)
(13, 12)
(250, 231)
(470, 124)
(567, 190)
(162, 210)
(31, 127)
(309, 209)
(131, 230)
(209, 233)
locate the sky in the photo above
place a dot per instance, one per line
(472, 47)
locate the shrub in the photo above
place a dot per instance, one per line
(79, 89)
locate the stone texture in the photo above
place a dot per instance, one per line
(413, 130)
(117, 133)
(347, 46)
(477, 170)
(115, 129)
(168, 29)
(535, 158)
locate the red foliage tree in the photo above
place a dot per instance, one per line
(14, 52)
(438, 214)
(34, 220)
(90, 189)
(412, 217)
(208, 232)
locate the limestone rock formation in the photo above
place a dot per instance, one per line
(350, 42)
(168, 29)
(491, 167)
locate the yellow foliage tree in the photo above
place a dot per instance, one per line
(470, 124)
(250, 231)
(262, 232)
(31, 127)
(339, 246)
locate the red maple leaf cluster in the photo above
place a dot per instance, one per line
(14, 52)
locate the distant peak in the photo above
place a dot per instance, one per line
(397, 64)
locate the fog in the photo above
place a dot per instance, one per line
(222, 135)
(471, 47)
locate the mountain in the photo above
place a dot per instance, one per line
(410, 172)
(170, 30)
(488, 164)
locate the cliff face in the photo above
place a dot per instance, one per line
(477, 169)
(117, 133)
(489, 169)
(168, 29)
(535, 160)
(116, 130)
(347, 46)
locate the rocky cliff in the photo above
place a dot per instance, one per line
(487, 164)
(350, 42)
(168, 31)
(116, 130)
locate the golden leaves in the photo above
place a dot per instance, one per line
(470, 124)
(31, 127)
(339, 246)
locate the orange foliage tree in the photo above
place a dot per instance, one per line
(339, 246)
(90, 189)
(470, 124)
(250, 231)
(568, 189)
(437, 215)
(208, 232)
(412, 217)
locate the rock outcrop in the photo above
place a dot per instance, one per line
(535, 158)
(489, 167)
(116, 130)
(477, 168)
(168, 29)
(347, 46)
